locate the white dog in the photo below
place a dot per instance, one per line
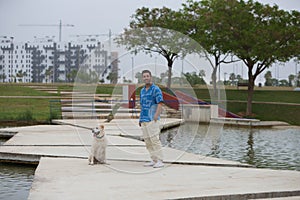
(98, 149)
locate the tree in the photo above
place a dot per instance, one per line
(232, 79)
(203, 25)
(259, 35)
(3, 77)
(139, 77)
(298, 80)
(72, 75)
(20, 75)
(126, 81)
(283, 83)
(195, 79)
(268, 77)
(48, 74)
(152, 31)
(291, 79)
(112, 77)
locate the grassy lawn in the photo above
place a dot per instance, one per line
(262, 111)
(23, 109)
(34, 109)
(270, 112)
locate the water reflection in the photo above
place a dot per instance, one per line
(15, 181)
(250, 150)
(278, 149)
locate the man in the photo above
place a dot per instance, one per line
(151, 101)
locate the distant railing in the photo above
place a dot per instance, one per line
(242, 84)
(55, 109)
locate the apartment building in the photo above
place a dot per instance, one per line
(47, 61)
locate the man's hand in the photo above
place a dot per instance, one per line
(140, 124)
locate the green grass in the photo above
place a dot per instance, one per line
(265, 96)
(34, 109)
(269, 112)
(20, 90)
(262, 111)
(23, 109)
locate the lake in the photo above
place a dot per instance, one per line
(264, 148)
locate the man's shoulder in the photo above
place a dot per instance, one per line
(155, 87)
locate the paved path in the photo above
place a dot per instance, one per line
(63, 171)
(67, 178)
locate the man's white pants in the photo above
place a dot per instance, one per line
(151, 131)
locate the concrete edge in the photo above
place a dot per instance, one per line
(34, 159)
(7, 134)
(246, 196)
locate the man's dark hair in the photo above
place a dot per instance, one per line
(146, 71)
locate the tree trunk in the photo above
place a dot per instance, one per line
(214, 80)
(250, 93)
(170, 64)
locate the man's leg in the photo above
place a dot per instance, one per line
(156, 149)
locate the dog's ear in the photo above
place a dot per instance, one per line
(101, 126)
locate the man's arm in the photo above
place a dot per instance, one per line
(158, 111)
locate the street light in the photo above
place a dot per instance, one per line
(11, 57)
(132, 65)
(155, 65)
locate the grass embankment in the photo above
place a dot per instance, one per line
(264, 106)
(268, 105)
(22, 104)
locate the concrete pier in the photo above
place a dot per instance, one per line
(63, 172)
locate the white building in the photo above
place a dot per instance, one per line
(44, 60)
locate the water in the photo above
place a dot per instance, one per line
(263, 148)
(15, 181)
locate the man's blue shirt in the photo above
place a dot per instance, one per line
(149, 99)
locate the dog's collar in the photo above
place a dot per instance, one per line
(99, 137)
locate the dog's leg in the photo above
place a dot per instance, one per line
(91, 160)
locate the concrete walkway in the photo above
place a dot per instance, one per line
(67, 178)
(63, 171)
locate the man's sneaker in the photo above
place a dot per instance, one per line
(149, 164)
(158, 164)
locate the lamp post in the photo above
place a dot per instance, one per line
(132, 65)
(11, 58)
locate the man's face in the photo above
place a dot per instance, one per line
(146, 78)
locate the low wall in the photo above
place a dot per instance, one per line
(199, 113)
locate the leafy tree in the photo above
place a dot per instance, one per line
(86, 75)
(298, 79)
(71, 76)
(126, 81)
(232, 79)
(259, 35)
(283, 83)
(195, 79)
(203, 25)
(48, 74)
(291, 79)
(112, 77)
(138, 76)
(146, 33)
(3, 77)
(268, 77)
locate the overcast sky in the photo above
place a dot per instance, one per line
(87, 16)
